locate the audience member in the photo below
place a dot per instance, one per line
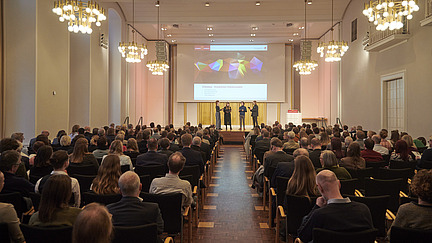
(302, 181)
(93, 225)
(333, 212)
(59, 162)
(53, 208)
(336, 147)
(383, 135)
(196, 145)
(102, 148)
(12, 144)
(411, 147)
(74, 132)
(286, 169)
(117, 149)
(353, 159)
(132, 148)
(315, 152)
(173, 146)
(42, 166)
(360, 135)
(65, 144)
(369, 155)
(8, 216)
(263, 144)
(291, 144)
(192, 157)
(164, 144)
(417, 215)
(426, 160)
(152, 157)
(171, 183)
(9, 163)
(131, 210)
(395, 136)
(324, 140)
(378, 147)
(81, 155)
(401, 152)
(278, 156)
(329, 162)
(106, 181)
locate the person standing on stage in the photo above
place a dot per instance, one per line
(227, 115)
(254, 111)
(242, 110)
(218, 118)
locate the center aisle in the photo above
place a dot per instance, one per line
(232, 211)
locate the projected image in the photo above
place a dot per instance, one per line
(235, 68)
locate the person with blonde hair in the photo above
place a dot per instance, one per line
(302, 181)
(116, 148)
(106, 181)
(329, 162)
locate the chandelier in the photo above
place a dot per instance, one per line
(79, 15)
(333, 50)
(160, 65)
(389, 14)
(132, 51)
(305, 65)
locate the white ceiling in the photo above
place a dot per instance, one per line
(232, 20)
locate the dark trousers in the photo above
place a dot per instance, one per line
(255, 121)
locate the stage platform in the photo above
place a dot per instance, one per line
(233, 136)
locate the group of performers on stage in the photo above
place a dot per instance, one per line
(242, 110)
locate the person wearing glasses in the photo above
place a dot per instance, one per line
(9, 163)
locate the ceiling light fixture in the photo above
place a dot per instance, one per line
(295, 34)
(132, 51)
(254, 28)
(173, 41)
(251, 40)
(207, 4)
(305, 65)
(389, 14)
(209, 28)
(301, 28)
(210, 35)
(79, 15)
(253, 34)
(169, 35)
(334, 50)
(290, 40)
(258, 3)
(160, 65)
(212, 40)
(163, 28)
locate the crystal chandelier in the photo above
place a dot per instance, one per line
(305, 65)
(79, 15)
(160, 65)
(389, 14)
(333, 50)
(132, 51)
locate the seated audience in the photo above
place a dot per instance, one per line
(329, 162)
(8, 216)
(302, 181)
(102, 148)
(132, 148)
(336, 147)
(286, 169)
(378, 147)
(74, 132)
(93, 225)
(12, 144)
(401, 152)
(360, 135)
(164, 144)
(81, 156)
(152, 157)
(353, 159)
(42, 166)
(395, 136)
(324, 140)
(117, 149)
(65, 144)
(59, 162)
(131, 210)
(426, 159)
(291, 143)
(383, 142)
(56, 140)
(53, 208)
(348, 142)
(263, 144)
(411, 147)
(196, 145)
(417, 215)
(93, 143)
(277, 156)
(106, 181)
(173, 146)
(9, 163)
(315, 152)
(43, 136)
(171, 183)
(304, 143)
(333, 212)
(192, 157)
(369, 155)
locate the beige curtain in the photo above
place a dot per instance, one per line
(206, 113)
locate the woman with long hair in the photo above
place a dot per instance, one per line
(54, 209)
(42, 166)
(106, 181)
(410, 142)
(394, 137)
(401, 152)
(81, 155)
(132, 148)
(329, 162)
(117, 149)
(336, 146)
(324, 139)
(353, 159)
(302, 182)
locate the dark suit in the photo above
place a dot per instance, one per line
(314, 156)
(273, 160)
(193, 158)
(203, 154)
(283, 169)
(167, 152)
(340, 217)
(426, 160)
(142, 146)
(131, 211)
(207, 150)
(261, 146)
(254, 115)
(174, 147)
(13, 183)
(152, 158)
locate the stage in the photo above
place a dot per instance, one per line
(234, 136)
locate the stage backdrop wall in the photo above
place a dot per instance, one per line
(207, 110)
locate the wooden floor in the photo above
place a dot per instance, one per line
(233, 212)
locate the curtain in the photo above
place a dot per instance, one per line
(206, 113)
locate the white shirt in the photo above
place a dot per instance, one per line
(75, 187)
(380, 149)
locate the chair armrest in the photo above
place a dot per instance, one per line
(195, 190)
(358, 193)
(297, 240)
(266, 179)
(409, 181)
(390, 215)
(272, 192)
(186, 212)
(169, 240)
(402, 194)
(281, 212)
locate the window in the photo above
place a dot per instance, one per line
(394, 104)
(354, 30)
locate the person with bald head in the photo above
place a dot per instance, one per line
(131, 210)
(334, 212)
